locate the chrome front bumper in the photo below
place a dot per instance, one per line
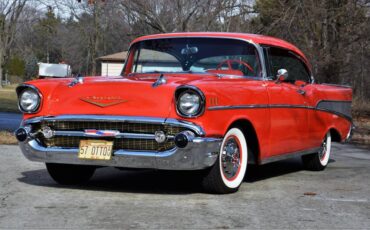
(200, 152)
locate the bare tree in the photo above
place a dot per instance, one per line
(161, 16)
(334, 35)
(10, 11)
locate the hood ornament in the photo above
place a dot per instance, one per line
(103, 101)
(160, 81)
(79, 79)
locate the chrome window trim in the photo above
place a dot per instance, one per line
(312, 79)
(130, 119)
(257, 46)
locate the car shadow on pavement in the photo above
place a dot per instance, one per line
(131, 181)
(275, 169)
(158, 182)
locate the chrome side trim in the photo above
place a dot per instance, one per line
(259, 106)
(289, 155)
(149, 120)
(342, 111)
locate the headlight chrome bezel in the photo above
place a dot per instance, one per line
(180, 91)
(23, 88)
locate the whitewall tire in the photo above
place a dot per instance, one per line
(318, 161)
(227, 174)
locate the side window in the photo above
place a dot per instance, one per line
(284, 59)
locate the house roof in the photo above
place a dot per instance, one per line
(145, 55)
(121, 57)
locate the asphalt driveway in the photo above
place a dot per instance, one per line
(278, 195)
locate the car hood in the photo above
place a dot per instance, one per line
(128, 96)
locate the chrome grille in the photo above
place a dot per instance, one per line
(127, 144)
(119, 143)
(120, 126)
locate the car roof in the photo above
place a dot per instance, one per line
(255, 38)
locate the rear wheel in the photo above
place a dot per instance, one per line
(318, 161)
(66, 174)
(227, 174)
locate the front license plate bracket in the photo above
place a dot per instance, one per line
(95, 150)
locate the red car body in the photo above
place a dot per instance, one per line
(280, 119)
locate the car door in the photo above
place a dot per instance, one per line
(287, 102)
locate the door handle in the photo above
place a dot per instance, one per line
(301, 91)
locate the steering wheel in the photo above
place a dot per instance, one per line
(230, 61)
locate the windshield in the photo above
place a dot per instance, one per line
(201, 55)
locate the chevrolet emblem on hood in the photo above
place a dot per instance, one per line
(102, 101)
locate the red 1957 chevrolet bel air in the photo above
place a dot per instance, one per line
(214, 102)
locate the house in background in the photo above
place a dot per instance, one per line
(149, 61)
(112, 65)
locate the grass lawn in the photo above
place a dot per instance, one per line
(8, 103)
(7, 138)
(8, 99)
(362, 131)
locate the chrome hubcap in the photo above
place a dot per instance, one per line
(230, 158)
(323, 149)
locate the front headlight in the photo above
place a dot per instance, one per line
(29, 100)
(190, 102)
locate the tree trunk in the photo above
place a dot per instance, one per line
(1, 76)
(2, 67)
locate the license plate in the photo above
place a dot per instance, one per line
(95, 149)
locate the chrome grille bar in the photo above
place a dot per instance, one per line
(119, 135)
(169, 122)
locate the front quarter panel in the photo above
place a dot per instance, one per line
(46, 88)
(224, 105)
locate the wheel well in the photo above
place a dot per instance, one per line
(251, 136)
(335, 136)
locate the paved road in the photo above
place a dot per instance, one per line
(273, 196)
(10, 121)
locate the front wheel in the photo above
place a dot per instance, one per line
(227, 174)
(66, 174)
(318, 161)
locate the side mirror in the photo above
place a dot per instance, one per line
(282, 75)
